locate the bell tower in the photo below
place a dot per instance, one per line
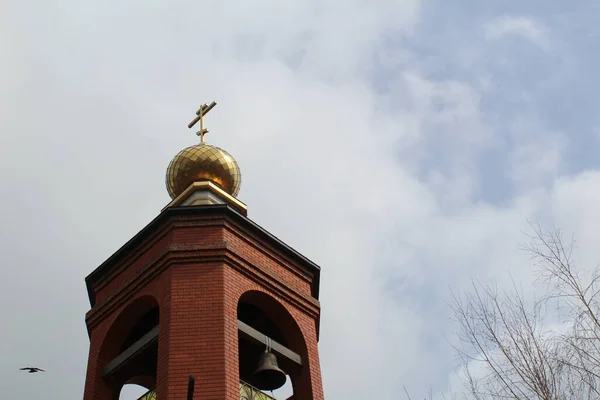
(204, 292)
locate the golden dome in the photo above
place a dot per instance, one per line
(203, 162)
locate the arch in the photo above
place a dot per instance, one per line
(132, 391)
(269, 316)
(135, 320)
(276, 315)
(123, 325)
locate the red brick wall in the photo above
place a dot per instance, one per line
(197, 267)
(236, 284)
(102, 349)
(258, 256)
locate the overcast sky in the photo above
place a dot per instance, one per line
(400, 144)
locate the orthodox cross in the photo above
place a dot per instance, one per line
(202, 111)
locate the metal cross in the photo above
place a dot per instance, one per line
(202, 111)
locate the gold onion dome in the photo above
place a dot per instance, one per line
(201, 163)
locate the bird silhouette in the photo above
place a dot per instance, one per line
(32, 369)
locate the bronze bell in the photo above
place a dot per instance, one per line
(268, 375)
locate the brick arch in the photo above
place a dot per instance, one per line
(301, 377)
(123, 323)
(277, 312)
(117, 333)
(144, 381)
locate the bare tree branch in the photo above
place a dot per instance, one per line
(506, 337)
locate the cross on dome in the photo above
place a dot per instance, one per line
(202, 111)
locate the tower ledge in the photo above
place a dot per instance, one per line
(207, 193)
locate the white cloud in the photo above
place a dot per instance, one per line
(520, 26)
(538, 153)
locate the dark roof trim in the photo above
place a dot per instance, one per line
(202, 210)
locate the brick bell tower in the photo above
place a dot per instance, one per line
(203, 291)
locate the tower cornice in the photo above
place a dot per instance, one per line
(216, 214)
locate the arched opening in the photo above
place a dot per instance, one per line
(129, 353)
(132, 391)
(144, 325)
(269, 319)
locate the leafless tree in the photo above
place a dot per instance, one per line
(509, 348)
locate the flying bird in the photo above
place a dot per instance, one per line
(32, 369)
